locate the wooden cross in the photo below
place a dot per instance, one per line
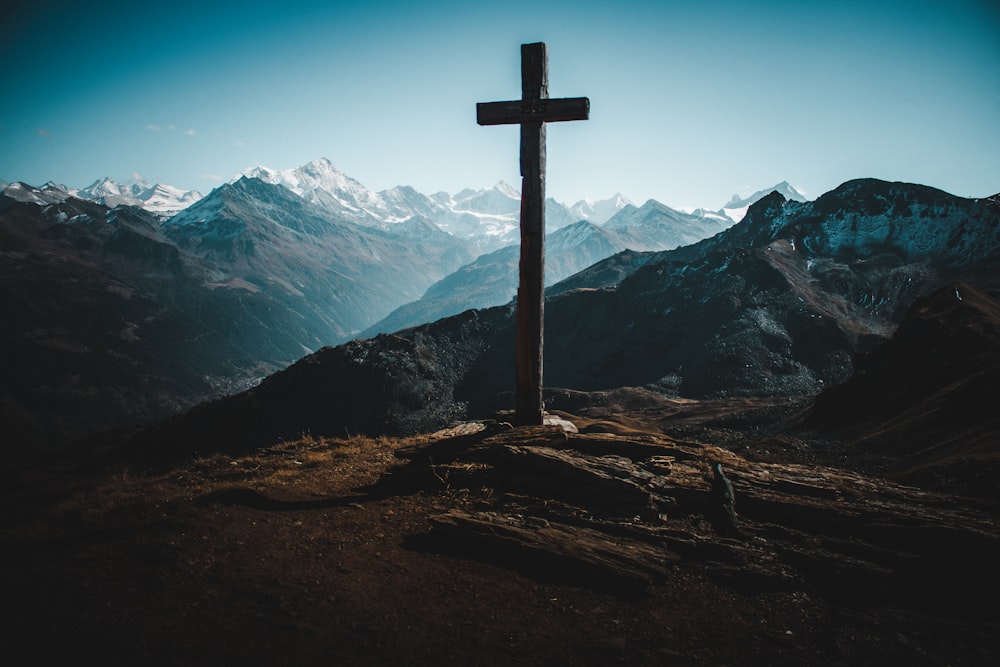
(531, 112)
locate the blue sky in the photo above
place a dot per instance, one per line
(691, 102)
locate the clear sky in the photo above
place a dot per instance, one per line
(691, 101)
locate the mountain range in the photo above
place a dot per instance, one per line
(244, 281)
(163, 200)
(487, 218)
(491, 279)
(780, 304)
(778, 441)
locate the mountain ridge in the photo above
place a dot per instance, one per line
(753, 311)
(254, 267)
(468, 214)
(243, 282)
(491, 280)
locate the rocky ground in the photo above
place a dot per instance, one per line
(492, 545)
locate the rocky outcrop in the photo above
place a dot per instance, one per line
(626, 513)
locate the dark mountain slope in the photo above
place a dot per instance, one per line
(864, 219)
(491, 280)
(922, 405)
(778, 303)
(96, 332)
(337, 277)
(719, 319)
(112, 317)
(391, 384)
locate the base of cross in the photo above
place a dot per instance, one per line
(531, 419)
(528, 419)
(546, 420)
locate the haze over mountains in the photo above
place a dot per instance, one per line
(485, 220)
(777, 305)
(120, 316)
(488, 217)
(127, 303)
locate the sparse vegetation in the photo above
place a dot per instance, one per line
(320, 550)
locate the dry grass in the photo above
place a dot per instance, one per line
(307, 553)
(309, 466)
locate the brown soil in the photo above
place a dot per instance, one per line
(424, 551)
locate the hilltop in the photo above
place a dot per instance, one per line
(483, 544)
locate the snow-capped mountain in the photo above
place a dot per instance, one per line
(501, 199)
(491, 280)
(50, 193)
(779, 304)
(336, 276)
(166, 199)
(600, 211)
(320, 182)
(111, 193)
(406, 203)
(737, 206)
(656, 226)
(488, 218)
(161, 199)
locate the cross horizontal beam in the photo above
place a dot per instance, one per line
(544, 110)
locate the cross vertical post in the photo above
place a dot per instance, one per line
(531, 291)
(531, 112)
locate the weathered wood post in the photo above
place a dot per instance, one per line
(531, 112)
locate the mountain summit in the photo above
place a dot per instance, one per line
(320, 182)
(599, 212)
(486, 218)
(784, 189)
(737, 206)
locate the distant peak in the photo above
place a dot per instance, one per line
(505, 188)
(784, 187)
(257, 171)
(322, 165)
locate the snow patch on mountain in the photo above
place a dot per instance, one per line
(600, 211)
(501, 199)
(50, 193)
(737, 207)
(316, 182)
(161, 199)
(167, 199)
(487, 219)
